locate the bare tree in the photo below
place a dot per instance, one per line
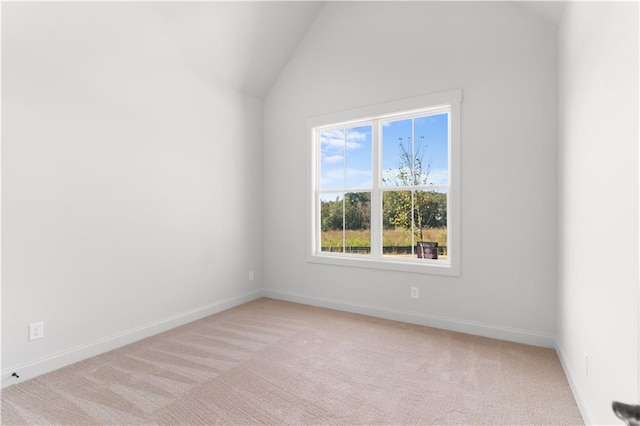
(412, 209)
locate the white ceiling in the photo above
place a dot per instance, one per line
(241, 44)
(550, 11)
(245, 45)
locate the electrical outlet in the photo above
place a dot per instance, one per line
(36, 330)
(251, 276)
(414, 293)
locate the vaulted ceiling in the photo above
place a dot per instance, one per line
(242, 44)
(550, 11)
(239, 44)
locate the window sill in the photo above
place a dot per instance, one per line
(422, 266)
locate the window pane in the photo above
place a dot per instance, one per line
(397, 153)
(357, 222)
(411, 218)
(430, 220)
(345, 158)
(358, 153)
(431, 149)
(396, 224)
(332, 222)
(332, 159)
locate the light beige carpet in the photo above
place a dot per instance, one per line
(274, 362)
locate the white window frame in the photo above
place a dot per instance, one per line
(449, 100)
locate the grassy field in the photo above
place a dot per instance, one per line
(390, 238)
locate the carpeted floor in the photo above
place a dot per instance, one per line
(274, 362)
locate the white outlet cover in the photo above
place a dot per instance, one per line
(414, 292)
(36, 330)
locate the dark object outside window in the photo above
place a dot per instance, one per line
(427, 250)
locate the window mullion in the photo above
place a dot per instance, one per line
(317, 213)
(376, 195)
(344, 194)
(414, 182)
(344, 219)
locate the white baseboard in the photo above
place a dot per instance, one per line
(78, 353)
(584, 411)
(452, 324)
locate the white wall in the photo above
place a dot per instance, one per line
(505, 61)
(131, 200)
(598, 275)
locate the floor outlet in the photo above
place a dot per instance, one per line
(36, 330)
(414, 292)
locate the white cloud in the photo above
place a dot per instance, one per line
(359, 178)
(438, 177)
(334, 140)
(333, 158)
(334, 178)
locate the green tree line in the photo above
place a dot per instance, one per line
(429, 211)
(356, 211)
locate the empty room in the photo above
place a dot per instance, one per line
(299, 212)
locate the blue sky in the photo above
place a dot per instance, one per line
(430, 135)
(350, 149)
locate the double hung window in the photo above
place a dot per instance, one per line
(384, 186)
